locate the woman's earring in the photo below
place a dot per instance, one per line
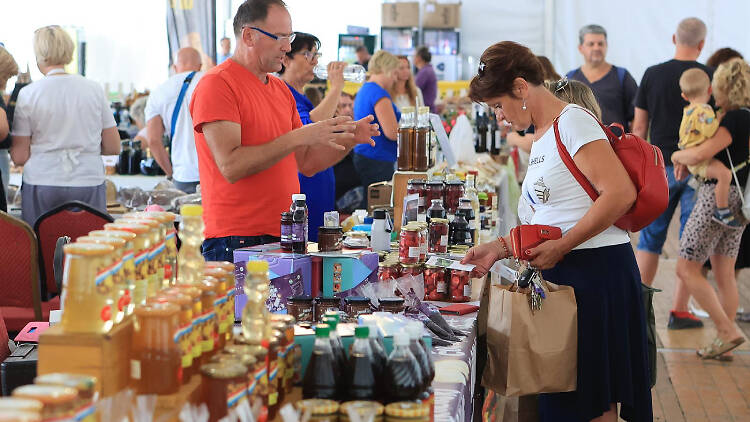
(523, 107)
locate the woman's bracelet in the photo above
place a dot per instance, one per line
(505, 247)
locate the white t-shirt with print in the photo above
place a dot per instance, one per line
(161, 103)
(550, 194)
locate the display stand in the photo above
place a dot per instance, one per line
(104, 356)
(400, 180)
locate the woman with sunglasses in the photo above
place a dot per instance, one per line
(593, 256)
(297, 71)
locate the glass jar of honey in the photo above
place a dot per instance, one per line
(120, 292)
(196, 328)
(17, 406)
(167, 219)
(141, 247)
(156, 255)
(58, 402)
(88, 289)
(245, 355)
(286, 326)
(228, 268)
(275, 390)
(185, 332)
(223, 385)
(85, 385)
(128, 265)
(209, 327)
(223, 313)
(156, 362)
(261, 368)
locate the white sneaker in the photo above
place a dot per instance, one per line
(696, 310)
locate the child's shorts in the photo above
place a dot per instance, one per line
(699, 169)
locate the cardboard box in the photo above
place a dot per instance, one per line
(441, 15)
(379, 195)
(345, 271)
(290, 275)
(402, 14)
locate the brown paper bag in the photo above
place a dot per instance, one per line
(531, 352)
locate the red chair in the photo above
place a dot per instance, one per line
(4, 349)
(73, 219)
(20, 301)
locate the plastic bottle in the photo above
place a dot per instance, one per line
(376, 342)
(190, 260)
(352, 73)
(416, 346)
(255, 313)
(381, 231)
(403, 376)
(362, 375)
(472, 194)
(336, 344)
(322, 370)
(300, 221)
(406, 139)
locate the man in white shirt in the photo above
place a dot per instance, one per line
(160, 117)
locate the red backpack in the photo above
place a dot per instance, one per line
(645, 165)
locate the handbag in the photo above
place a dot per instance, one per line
(525, 237)
(645, 166)
(531, 352)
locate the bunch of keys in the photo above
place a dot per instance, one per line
(532, 278)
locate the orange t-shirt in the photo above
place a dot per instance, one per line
(251, 206)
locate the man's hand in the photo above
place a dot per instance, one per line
(335, 133)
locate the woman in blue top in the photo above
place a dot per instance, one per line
(297, 71)
(376, 164)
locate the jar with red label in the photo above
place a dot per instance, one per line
(389, 270)
(438, 235)
(409, 247)
(435, 286)
(460, 286)
(434, 189)
(454, 190)
(419, 187)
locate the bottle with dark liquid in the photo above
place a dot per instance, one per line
(494, 136)
(403, 376)
(286, 231)
(337, 346)
(298, 232)
(376, 345)
(136, 155)
(406, 139)
(362, 376)
(481, 132)
(418, 350)
(420, 153)
(322, 370)
(123, 164)
(436, 210)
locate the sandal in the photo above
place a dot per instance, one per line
(718, 347)
(724, 358)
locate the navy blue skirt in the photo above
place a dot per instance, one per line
(612, 354)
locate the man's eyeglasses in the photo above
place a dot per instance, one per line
(280, 38)
(309, 55)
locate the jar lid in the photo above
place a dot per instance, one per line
(330, 230)
(82, 383)
(174, 296)
(439, 220)
(357, 299)
(141, 219)
(362, 408)
(392, 300)
(257, 266)
(224, 370)
(318, 406)
(433, 267)
(122, 234)
(248, 361)
(379, 214)
(156, 310)
(410, 228)
(286, 216)
(47, 394)
(19, 404)
(454, 183)
(228, 266)
(191, 210)
(407, 410)
(87, 249)
(136, 228)
(238, 349)
(435, 182)
(215, 272)
(300, 299)
(483, 195)
(411, 265)
(327, 300)
(163, 216)
(192, 291)
(256, 350)
(416, 181)
(356, 234)
(115, 242)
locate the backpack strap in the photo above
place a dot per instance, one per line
(570, 74)
(178, 105)
(620, 74)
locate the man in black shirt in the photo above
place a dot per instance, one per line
(658, 106)
(613, 86)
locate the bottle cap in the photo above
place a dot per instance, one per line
(378, 214)
(299, 197)
(362, 332)
(322, 331)
(257, 266)
(401, 339)
(191, 210)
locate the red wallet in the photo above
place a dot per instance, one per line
(528, 236)
(459, 309)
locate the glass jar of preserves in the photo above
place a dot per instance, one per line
(357, 305)
(128, 265)
(389, 269)
(434, 189)
(260, 373)
(418, 187)
(301, 308)
(231, 354)
(438, 236)
(409, 247)
(367, 410)
(423, 242)
(411, 269)
(394, 305)
(89, 289)
(435, 286)
(286, 231)
(141, 249)
(436, 210)
(120, 292)
(275, 394)
(223, 385)
(407, 412)
(58, 402)
(460, 286)
(454, 190)
(325, 304)
(330, 239)
(156, 361)
(85, 385)
(406, 139)
(320, 410)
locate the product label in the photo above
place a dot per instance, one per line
(422, 218)
(135, 369)
(141, 265)
(195, 337)
(415, 251)
(183, 340)
(251, 387)
(444, 240)
(467, 289)
(441, 287)
(235, 393)
(261, 378)
(421, 201)
(286, 233)
(85, 413)
(298, 232)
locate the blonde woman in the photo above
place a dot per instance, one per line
(376, 163)
(405, 91)
(61, 127)
(8, 69)
(703, 237)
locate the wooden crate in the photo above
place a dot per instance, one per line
(104, 356)
(400, 180)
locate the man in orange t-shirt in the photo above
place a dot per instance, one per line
(249, 137)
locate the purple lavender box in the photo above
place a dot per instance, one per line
(290, 275)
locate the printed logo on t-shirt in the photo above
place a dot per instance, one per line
(536, 160)
(541, 190)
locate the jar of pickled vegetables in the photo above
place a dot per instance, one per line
(156, 361)
(88, 288)
(409, 247)
(460, 286)
(435, 287)
(438, 235)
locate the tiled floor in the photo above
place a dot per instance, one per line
(687, 388)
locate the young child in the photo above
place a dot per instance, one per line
(698, 124)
